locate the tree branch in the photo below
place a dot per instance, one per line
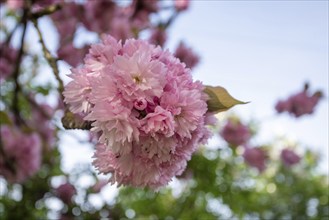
(50, 59)
(17, 69)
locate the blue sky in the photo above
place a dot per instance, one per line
(262, 51)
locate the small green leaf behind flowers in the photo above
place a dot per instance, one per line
(73, 121)
(219, 99)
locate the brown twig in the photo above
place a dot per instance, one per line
(50, 59)
(69, 121)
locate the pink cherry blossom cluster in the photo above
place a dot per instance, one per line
(24, 141)
(65, 192)
(255, 157)
(149, 114)
(122, 21)
(66, 22)
(158, 36)
(299, 104)
(289, 157)
(235, 133)
(21, 156)
(187, 55)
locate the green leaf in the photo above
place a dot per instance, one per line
(219, 99)
(44, 89)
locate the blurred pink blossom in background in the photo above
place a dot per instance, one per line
(158, 36)
(255, 157)
(289, 157)
(186, 55)
(235, 133)
(299, 104)
(71, 54)
(23, 154)
(65, 192)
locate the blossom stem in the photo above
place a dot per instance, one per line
(50, 59)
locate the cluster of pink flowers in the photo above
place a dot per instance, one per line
(23, 146)
(158, 36)
(299, 104)
(22, 151)
(289, 157)
(118, 20)
(66, 21)
(65, 192)
(186, 55)
(255, 157)
(235, 133)
(149, 114)
(122, 21)
(8, 56)
(101, 16)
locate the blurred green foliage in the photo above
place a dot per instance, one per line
(217, 184)
(224, 187)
